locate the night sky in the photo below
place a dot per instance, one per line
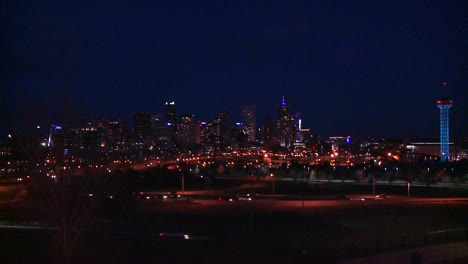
(359, 68)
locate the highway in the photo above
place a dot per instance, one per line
(272, 229)
(272, 203)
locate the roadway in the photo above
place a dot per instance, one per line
(272, 229)
(271, 202)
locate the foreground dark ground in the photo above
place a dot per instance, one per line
(261, 231)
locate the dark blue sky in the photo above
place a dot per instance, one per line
(349, 67)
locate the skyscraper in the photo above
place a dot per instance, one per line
(444, 105)
(116, 134)
(188, 130)
(142, 125)
(268, 127)
(297, 126)
(285, 125)
(170, 109)
(249, 121)
(171, 121)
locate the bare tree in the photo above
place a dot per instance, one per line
(57, 195)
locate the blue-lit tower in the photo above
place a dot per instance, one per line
(285, 125)
(444, 105)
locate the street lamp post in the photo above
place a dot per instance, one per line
(409, 186)
(271, 175)
(183, 184)
(373, 185)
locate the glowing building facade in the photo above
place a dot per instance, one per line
(249, 121)
(285, 126)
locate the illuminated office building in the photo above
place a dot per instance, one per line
(285, 125)
(142, 125)
(170, 110)
(249, 121)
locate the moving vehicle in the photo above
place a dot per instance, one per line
(172, 232)
(247, 197)
(381, 197)
(227, 198)
(173, 195)
(357, 198)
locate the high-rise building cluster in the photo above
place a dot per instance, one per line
(169, 130)
(221, 134)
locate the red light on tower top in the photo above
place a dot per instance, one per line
(444, 101)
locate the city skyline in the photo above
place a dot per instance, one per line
(370, 69)
(167, 116)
